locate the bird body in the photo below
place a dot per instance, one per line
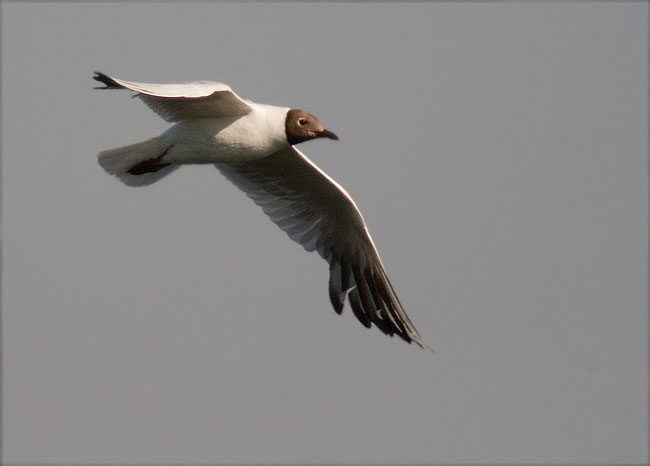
(229, 139)
(253, 145)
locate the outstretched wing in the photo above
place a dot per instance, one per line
(175, 102)
(318, 213)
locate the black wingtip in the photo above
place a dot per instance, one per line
(107, 81)
(357, 307)
(336, 300)
(423, 345)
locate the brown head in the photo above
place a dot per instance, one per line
(301, 126)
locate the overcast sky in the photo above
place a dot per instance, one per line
(498, 153)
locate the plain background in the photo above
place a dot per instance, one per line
(499, 155)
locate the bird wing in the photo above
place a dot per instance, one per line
(315, 211)
(175, 102)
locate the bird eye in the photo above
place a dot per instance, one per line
(302, 121)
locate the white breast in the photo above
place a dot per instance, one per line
(229, 139)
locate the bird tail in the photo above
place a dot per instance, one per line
(138, 164)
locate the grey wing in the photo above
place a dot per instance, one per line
(318, 213)
(175, 102)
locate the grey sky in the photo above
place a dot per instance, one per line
(499, 155)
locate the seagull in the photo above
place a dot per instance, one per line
(254, 146)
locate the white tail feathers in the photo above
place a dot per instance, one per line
(139, 164)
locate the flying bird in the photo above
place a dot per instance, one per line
(254, 146)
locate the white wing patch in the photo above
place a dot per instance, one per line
(175, 102)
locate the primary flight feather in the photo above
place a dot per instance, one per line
(253, 145)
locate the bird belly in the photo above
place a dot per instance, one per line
(228, 139)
